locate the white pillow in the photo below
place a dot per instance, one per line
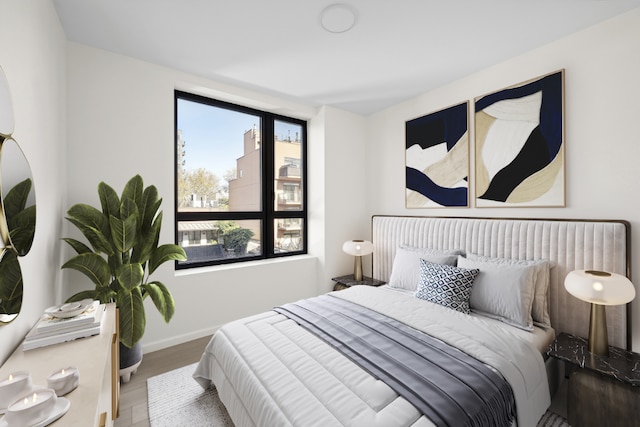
(503, 292)
(405, 272)
(540, 307)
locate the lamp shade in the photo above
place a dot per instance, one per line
(599, 287)
(358, 247)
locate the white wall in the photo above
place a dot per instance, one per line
(121, 122)
(602, 67)
(345, 197)
(32, 55)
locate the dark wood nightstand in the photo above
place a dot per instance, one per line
(344, 282)
(603, 390)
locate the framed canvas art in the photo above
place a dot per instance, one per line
(437, 159)
(519, 145)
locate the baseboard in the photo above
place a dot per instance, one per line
(179, 339)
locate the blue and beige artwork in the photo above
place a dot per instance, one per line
(437, 159)
(519, 150)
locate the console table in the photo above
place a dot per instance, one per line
(603, 390)
(96, 400)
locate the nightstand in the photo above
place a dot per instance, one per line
(603, 390)
(344, 282)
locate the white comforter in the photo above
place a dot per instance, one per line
(271, 372)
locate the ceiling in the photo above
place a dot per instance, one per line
(394, 51)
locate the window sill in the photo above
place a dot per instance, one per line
(242, 265)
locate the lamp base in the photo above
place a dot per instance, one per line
(598, 340)
(357, 269)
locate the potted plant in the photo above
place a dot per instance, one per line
(122, 254)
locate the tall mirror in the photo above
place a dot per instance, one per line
(10, 285)
(17, 210)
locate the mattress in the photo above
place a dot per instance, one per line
(271, 372)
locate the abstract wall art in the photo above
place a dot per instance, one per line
(519, 145)
(437, 159)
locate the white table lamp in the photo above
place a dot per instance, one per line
(599, 288)
(358, 248)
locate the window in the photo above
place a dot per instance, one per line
(240, 182)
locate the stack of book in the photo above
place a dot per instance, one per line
(53, 330)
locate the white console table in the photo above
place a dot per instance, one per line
(96, 400)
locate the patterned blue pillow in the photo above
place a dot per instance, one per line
(446, 285)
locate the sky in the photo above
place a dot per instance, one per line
(214, 136)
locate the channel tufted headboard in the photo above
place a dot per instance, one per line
(569, 244)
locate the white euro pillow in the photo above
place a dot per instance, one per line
(405, 272)
(503, 292)
(540, 307)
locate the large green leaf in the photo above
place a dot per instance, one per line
(147, 242)
(165, 253)
(93, 225)
(22, 228)
(115, 261)
(123, 232)
(162, 299)
(11, 288)
(157, 224)
(132, 316)
(133, 190)
(128, 208)
(88, 216)
(16, 199)
(130, 275)
(25, 218)
(21, 219)
(149, 207)
(96, 238)
(77, 246)
(91, 265)
(109, 200)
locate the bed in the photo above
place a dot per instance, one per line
(300, 365)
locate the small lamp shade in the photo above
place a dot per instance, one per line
(600, 288)
(358, 248)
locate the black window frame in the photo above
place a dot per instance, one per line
(268, 215)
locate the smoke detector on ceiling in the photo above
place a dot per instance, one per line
(338, 18)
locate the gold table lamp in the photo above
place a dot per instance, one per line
(358, 248)
(599, 288)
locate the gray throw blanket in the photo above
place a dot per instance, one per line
(447, 385)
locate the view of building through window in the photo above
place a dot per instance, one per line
(222, 213)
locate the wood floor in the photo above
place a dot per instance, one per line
(133, 395)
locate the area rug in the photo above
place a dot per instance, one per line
(175, 399)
